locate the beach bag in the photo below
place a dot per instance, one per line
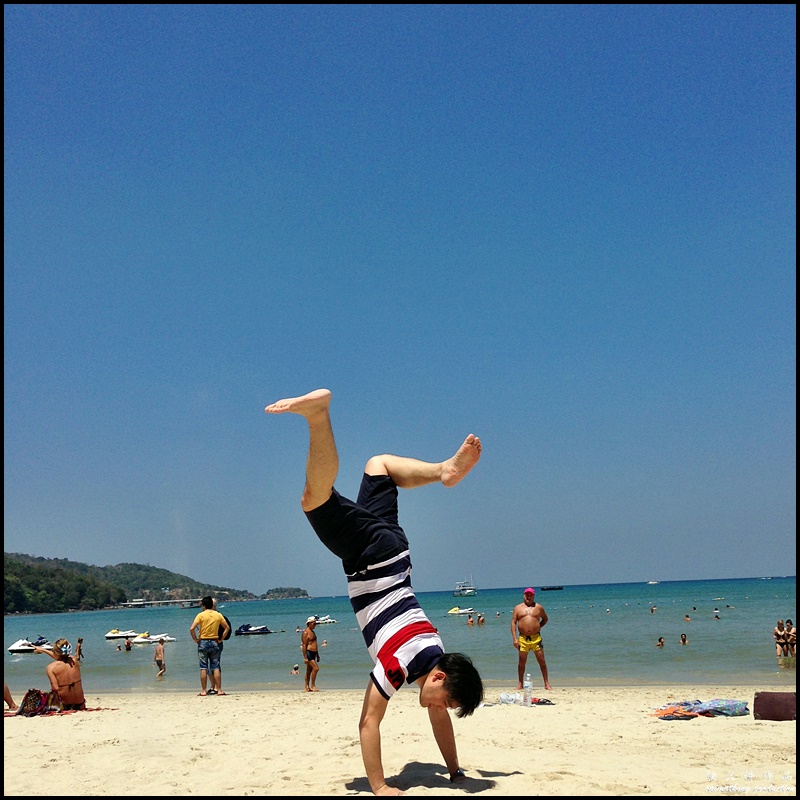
(775, 706)
(34, 702)
(230, 629)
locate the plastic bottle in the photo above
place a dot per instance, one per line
(527, 691)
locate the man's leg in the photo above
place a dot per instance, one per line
(543, 666)
(523, 660)
(203, 681)
(409, 473)
(323, 460)
(322, 465)
(309, 668)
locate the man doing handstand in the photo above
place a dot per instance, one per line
(366, 535)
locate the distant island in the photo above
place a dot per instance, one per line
(36, 585)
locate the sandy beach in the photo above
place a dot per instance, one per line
(591, 741)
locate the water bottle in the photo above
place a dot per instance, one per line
(527, 691)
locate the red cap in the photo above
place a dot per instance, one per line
(529, 591)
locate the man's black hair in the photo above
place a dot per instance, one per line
(207, 602)
(463, 683)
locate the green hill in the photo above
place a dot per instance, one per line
(46, 585)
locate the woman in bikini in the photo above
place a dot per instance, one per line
(65, 674)
(781, 644)
(791, 638)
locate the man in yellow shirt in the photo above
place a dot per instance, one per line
(208, 630)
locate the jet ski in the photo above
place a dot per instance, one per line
(146, 638)
(26, 646)
(115, 633)
(251, 630)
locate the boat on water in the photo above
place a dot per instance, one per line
(459, 610)
(465, 589)
(115, 633)
(325, 619)
(146, 638)
(252, 630)
(26, 645)
(652, 583)
(552, 588)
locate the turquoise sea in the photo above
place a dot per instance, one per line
(598, 635)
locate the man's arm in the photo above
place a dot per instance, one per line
(225, 628)
(193, 629)
(443, 733)
(369, 730)
(543, 619)
(514, 639)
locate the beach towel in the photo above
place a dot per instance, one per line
(691, 709)
(37, 703)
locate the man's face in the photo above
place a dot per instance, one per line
(529, 599)
(433, 694)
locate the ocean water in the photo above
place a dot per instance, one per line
(598, 635)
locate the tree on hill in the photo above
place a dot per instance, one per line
(41, 589)
(34, 584)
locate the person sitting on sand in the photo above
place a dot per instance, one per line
(367, 537)
(65, 674)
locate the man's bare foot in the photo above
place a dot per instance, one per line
(307, 405)
(388, 791)
(314, 689)
(548, 686)
(519, 686)
(462, 462)
(306, 689)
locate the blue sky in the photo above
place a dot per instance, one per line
(567, 229)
